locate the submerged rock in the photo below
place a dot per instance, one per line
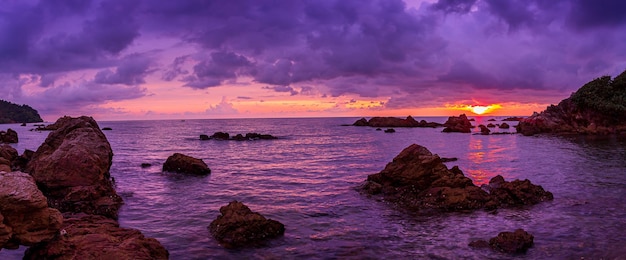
(390, 130)
(8, 136)
(185, 164)
(418, 180)
(457, 124)
(484, 130)
(25, 218)
(518, 241)
(238, 226)
(504, 126)
(238, 137)
(97, 237)
(72, 167)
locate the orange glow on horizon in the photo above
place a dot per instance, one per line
(476, 109)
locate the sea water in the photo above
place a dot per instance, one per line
(307, 180)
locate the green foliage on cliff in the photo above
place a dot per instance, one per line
(13, 113)
(603, 95)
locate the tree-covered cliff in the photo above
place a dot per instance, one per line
(13, 113)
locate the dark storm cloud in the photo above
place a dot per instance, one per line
(218, 68)
(370, 48)
(131, 71)
(454, 6)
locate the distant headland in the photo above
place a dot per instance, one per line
(13, 113)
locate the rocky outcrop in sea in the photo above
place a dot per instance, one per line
(186, 164)
(237, 137)
(394, 122)
(418, 180)
(238, 226)
(597, 108)
(458, 124)
(8, 136)
(518, 241)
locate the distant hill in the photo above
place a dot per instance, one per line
(13, 113)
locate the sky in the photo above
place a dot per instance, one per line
(185, 59)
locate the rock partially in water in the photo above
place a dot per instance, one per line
(390, 130)
(457, 124)
(25, 218)
(10, 136)
(185, 164)
(504, 126)
(238, 226)
(484, 130)
(220, 136)
(597, 108)
(394, 122)
(97, 237)
(517, 192)
(238, 137)
(418, 180)
(72, 167)
(518, 241)
(513, 119)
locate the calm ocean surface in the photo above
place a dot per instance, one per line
(307, 180)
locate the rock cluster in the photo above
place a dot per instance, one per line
(8, 136)
(25, 218)
(72, 167)
(97, 237)
(458, 124)
(238, 137)
(418, 180)
(508, 242)
(394, 122)
(239, 226)
(185, 164)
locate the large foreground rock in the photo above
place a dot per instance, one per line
(72, 167)
(185, 164)
(597, 108)
(238, 226)
(97, 237)
(394, 122)
(458, 124)
(418, 180)
(25, 218)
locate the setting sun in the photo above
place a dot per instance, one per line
(479, 109)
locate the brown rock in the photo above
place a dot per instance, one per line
(458, 124)
(517, 193)
(512, 242)
(238, 226)
(504, 126)
(25, 217)
(72, 168)
(484, 130)
(10, 136)
(8, 152)
(418, 179)
(185, 164)
(361, 122)
(394, 122)
(97, 237)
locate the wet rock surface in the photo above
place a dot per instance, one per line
(181, 163)
(238, 226)
(418, 180)
(25, 218)
(72, 167)
(97, 237)
(8, 136)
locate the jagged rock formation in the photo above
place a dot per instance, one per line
(418, 180)
(597, 108)
(458, 124)
(10, 136)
